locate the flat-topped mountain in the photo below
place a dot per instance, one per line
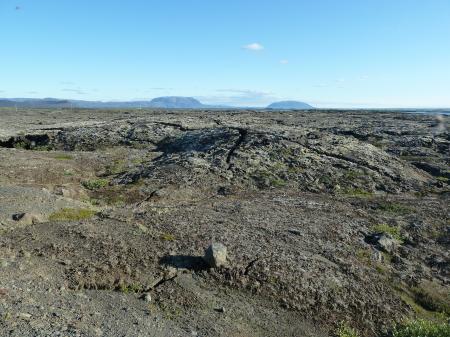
(175, 102)
(289, 105)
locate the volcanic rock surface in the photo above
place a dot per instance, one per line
(305, 202)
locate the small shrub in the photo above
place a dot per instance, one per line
(21, 144)
(130, 288)
(345, 330)
(72, 214)
(422, 328)
(391, 230)
(95, 184)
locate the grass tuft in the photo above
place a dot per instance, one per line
(345, 330)
(72, 214)
(391, 230)
(63, 156)
(422, 328)
(95, 184)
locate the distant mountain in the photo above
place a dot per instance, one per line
(171, 102)
(289, 105)
(34, 102)
(176, 102)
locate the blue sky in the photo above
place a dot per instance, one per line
(330, 53)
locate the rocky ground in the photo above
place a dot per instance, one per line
(327, 217)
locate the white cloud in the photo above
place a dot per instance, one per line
(284, 61)
(254, 47)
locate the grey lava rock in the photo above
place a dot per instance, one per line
(28, 218)
(383, 242)
(216, 255)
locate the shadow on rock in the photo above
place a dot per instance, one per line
(184, 262)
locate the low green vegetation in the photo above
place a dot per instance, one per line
(395, 208)
(422, 328)
(357, 192)
(42, 148)
(95, 184)
(72, 214)
(268, 179)
(130, 288)
(63, 156)
(345, 330)
(20, 145)
(167, 237)
(432, 297)
(391, 230)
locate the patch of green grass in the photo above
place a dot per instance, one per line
(167, 237)
(364, 255)
(68, 173)
(63, 156)
(21, 145)
(358, 192)
(392, 207)
(345, 330)
(95, 184)
(130, 288)
(352, 174)
(422, 328)
(443, 179)
(408, 297)
(42, 148)
(268, 179)
(430, 297)
(391, 230)
(415, 158)
(72, 214)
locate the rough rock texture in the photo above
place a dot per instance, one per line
(298, 199)
(216, 255)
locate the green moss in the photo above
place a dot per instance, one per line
(430, 297)
(267, 178)
(392, 207)
(167, 237)
(95, 184)
(443, 179)
(72, 214)
(63, 156)
(422, 328)
(363, 255)
(345, 330)
(130, 288)
(21, 145)
(352, 174)
(420, 312)
(42, 148)
(391, 230)
(416, 158)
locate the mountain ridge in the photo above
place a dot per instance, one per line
(163, 102)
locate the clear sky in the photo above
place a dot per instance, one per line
(329, 53)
